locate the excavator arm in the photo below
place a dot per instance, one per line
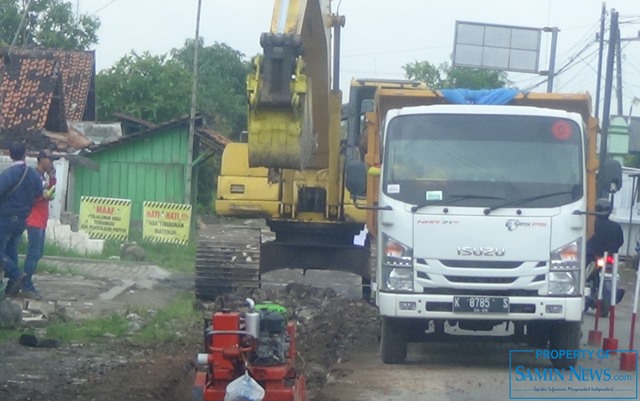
(291, 170)
(289, 88)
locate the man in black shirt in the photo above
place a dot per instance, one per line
(607, 235)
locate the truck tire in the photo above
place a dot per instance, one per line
(565, 336)
(393, 341)
(538, 334)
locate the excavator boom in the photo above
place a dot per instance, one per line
(288, 120)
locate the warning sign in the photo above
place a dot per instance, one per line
(105, 218)
(166, 222)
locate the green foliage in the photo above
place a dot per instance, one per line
(424, 71)
(9, 335)
(114, 324)
(207, 183)
(632, 160)
(158, 88)
(152, 88)
(52, 249)
(446, 76)
(177, 258)
(44, 267)
(171, 323)
(222, 71)
(49, 23)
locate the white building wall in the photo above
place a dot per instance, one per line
(623, 212)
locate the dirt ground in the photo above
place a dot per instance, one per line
(116, 369)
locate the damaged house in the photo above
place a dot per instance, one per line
(43, 91)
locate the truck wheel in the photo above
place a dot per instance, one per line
(538, 334)
(366, 289)
(393, 342)
(565, 336)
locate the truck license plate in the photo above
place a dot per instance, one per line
(481, 304)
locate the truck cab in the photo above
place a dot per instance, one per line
(480, 227)
(479, 214)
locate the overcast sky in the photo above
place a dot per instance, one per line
(380, 36)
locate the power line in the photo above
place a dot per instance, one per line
(103, 7)
(576, 75)
(564, 67)
(632, 65)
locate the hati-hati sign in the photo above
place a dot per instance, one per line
(166, 222)
(105, 217)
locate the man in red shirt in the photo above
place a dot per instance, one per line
(37, 221)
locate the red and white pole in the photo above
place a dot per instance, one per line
(611, 343)
(595, 335)
(628, 359)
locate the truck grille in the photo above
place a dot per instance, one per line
(481, 264)
(497, 293)
(484, 280)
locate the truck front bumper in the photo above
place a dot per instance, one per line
(428, 306)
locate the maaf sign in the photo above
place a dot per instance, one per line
(166, 222)
(105, 218)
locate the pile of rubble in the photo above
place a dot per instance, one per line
(327, 324)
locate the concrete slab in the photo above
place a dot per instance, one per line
(117, 290)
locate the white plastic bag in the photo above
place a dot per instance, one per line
(244, 388)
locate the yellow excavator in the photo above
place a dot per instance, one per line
(290, 171)
(302, 146)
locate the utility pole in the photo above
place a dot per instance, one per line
(603, 15)
(552, 60)
(619, 73)
(614, 35)
(21, 26)
(192, 115)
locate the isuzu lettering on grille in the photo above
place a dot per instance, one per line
(480, 251)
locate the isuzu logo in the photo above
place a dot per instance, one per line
(480, 251)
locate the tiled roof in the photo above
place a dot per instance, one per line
(28, 87)
(42, 89)
(77, 69)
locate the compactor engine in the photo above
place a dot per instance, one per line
(249, 353)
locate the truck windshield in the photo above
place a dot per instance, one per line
(492, 159)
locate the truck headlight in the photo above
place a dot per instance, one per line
(564, 270)
(397, 265)
(563, 283)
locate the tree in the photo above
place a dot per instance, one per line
(152, 88)
(222, 99)
(222, 93)
(447, 76)
(49, 23)
(424, 71)
(158, 89)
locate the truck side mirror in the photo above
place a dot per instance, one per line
(610, 176)
(356, 177)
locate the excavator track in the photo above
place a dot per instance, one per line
(227, 258)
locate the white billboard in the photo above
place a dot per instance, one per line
(497, 47)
